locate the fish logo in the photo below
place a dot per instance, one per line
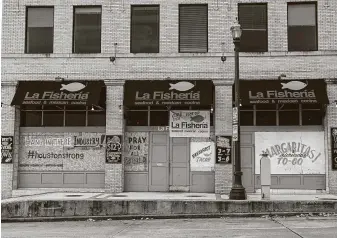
(294, 85)
(197, 118)
(72, 87)
(181, 86)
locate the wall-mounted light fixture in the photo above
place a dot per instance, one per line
(281, 76)
(59, 79)
(113, 58)
(96, 107)
(120, 108)
(223, 57)
(8, 105)
(335, 103)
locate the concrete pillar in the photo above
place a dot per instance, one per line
(114, 173)
(331, 121)
(223, 126)
(8, 128)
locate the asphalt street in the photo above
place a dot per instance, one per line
(289, 227)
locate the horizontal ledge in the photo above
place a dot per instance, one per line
(173, 55)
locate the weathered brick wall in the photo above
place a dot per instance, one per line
(223, 126)
(114, 173)
(7, 129)
(16, 148)
(168, 63)
(331, 121)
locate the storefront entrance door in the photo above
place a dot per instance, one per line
(159, 162)
(168, 165)
(247, 163)
(179, 164)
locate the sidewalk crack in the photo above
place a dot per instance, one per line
(125, 228)
(288, 228)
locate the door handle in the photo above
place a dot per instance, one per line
(160, 164)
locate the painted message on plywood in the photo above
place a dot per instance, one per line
(291, 152)
(136, 147)
(62, 152)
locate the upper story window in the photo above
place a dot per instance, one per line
(39, 30)
(193, 28)
(302, 27)
(145, 29)
(253, 20)
(87, 30)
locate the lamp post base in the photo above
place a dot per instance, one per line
(238, 193)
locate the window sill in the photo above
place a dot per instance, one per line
(287, 53)
(175, 54)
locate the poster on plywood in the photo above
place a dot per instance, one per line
(291, 152)
(202, 156)
(6, 149)
(189, 123)
(334, 148)
(136, 151)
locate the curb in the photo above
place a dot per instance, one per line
(68, 210)
(147, 217)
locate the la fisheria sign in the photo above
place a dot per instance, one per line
(58, 93)
(168, 92)
(189, 123)
(283, 92)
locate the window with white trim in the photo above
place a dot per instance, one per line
(39, 30)
(193, 28)
(253, 20)
(144, 29)
(87, 30)
(302, 27)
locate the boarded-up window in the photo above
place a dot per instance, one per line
(302, 30)
(87, 30)
(39, 30)
(193, 28)
(145, 29)
(253, 20)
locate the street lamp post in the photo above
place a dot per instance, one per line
(238, 192)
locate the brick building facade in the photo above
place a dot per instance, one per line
(168, 63)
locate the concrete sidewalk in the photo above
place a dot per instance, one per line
(150, 196)
(66, 205)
